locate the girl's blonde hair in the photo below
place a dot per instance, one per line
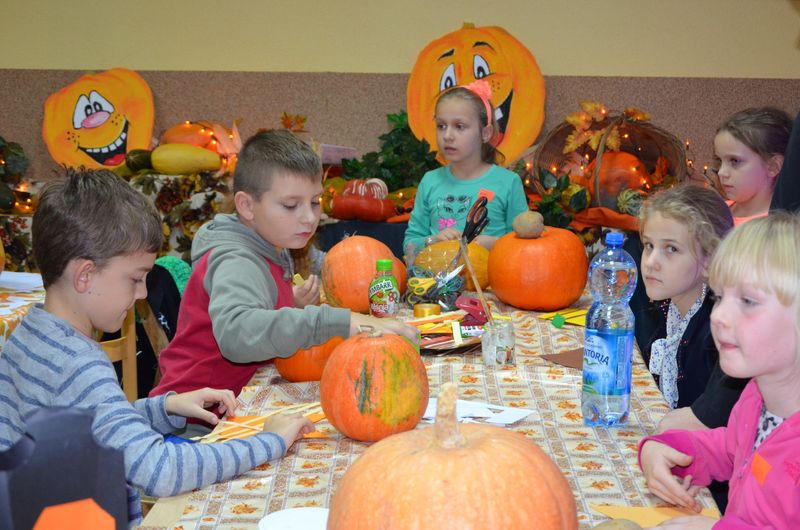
(764, 252)
(702, 210)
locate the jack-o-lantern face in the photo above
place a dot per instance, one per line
(97, 119)
(471, 53)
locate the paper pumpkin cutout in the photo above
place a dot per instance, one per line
(471, 53)
(94, 121)
(84, 514)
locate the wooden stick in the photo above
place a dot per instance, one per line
(478, 289)
(242, 425)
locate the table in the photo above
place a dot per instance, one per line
(18, 292)
(599, 464)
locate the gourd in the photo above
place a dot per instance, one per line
(619, 171)
(453, 59)
(307, 364)
(374, 385)
(349, 267)
(542, 272)
(180, 159)
(450, 475)
(437, 257)
(365, 200)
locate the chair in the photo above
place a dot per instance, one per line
(123, 349)
(58, 476)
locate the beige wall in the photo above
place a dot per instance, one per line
(669, 38)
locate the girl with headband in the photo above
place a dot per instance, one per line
(466, 134)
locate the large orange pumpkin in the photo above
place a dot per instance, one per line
(437, 257)
(544, 273)
(94, 121)
(471, 477)
(349, 267)
(471, 53)
(374, 385)
(308, 364)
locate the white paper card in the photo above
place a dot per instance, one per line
(494, 414)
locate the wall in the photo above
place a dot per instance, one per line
(344, 64)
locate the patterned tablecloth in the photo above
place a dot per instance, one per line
(600, 464)
(18, 292)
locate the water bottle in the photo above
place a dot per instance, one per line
(607, 357)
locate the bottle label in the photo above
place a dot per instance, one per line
(607, 362)
(384, 296)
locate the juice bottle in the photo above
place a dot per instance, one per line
(384, 295)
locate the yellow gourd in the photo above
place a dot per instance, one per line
(179, 159)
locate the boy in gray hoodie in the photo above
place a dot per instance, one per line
(239, 309)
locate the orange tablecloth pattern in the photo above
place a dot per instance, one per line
(600, 464)
(14, 305)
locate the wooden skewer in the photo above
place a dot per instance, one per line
(478, 289)
(251, 424)
(243, 425)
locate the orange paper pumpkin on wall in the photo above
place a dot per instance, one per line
(471, 53)
(94, 121)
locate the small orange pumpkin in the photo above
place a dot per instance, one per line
(618, 171)
(308, 364)
(453, 476)
(437, 257)
(470, 53)
(374, 385)
(542, 273)
(349, 267)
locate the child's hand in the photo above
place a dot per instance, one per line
(308, 293)
(194, 404)
(387, 325)
(290, 427)
(486, 242)
(657, 460)
(689, 522)
(447, 234)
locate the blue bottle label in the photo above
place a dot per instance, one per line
(607, 362)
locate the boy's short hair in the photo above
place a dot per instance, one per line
(766, 252)
(267, 152)
(702, 210)
(91, 214)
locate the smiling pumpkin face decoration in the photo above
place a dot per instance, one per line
(94, 121)
(489, 53)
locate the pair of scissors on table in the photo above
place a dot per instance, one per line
(420, 286)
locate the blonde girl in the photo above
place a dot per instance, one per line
(756, 277)
(465, 134)
(680, 229)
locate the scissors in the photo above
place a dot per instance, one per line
(477, 219)
(420, 286)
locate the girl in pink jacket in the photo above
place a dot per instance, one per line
(755, 321)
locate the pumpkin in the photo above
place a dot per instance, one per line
(544, 273)
(349, 267)
(306, 365)
(437, 257)
(374, 385)
(618, 171)
(94, 121)
(375, 188)
(471, 53)
(453, 476)
(362, 208)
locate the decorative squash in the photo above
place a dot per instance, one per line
(453, 476)
(374, 385)
(471, 53)
(546, 273)
(348, 268)
(362, 208)
(375, 188)
(307, 365)
(180, 159)
(94, 121)
(619, 171)
(437, 257)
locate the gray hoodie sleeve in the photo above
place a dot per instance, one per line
(246, 325)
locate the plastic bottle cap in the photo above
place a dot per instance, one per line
(383, 265)
(615, 238)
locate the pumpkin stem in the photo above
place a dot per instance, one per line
(446, 434)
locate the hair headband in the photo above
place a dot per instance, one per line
(481, 88)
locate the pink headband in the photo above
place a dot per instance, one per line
(481, 88)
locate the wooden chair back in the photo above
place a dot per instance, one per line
(123, 350)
